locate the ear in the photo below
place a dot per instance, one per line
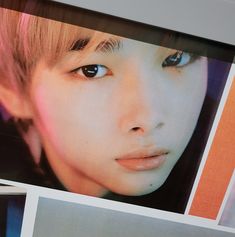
(15, 103)
(33, 141)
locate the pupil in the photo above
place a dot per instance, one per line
(90, 70)
(175, 59)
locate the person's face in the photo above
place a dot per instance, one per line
(119, 118)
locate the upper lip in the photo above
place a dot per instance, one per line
(141, 154)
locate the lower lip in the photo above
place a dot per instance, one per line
(142, 164)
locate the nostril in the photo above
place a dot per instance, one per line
(135, 129)
(140, 129)
(160, 125)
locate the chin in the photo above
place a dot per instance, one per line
(139, 191)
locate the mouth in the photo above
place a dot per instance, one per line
(142, 161)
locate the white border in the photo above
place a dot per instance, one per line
(29, 213)
(10, 190)
(226, 197)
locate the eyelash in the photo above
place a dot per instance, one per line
(96, 71)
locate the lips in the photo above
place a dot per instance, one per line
(143, 160)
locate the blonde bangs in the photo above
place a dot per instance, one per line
(51, 39)
(25, 39)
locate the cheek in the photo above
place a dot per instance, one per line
(70, 118)
(187, 105)
(51, 115)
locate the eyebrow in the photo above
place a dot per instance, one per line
(106, 46)
(109, 46)
(80, 44)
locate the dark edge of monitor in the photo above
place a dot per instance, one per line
(123, 27)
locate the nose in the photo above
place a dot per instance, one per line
(141, 120)
(141, 103)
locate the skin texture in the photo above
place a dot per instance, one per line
(134, 109)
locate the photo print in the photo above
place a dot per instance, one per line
(73, 219)
(106, 107)
(12, 202)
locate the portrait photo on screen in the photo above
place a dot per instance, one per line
(103, 106)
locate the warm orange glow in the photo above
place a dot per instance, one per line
(219, 166)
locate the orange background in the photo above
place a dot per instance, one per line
(219, 165)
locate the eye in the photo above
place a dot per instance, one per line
(177, 59)
(92, 71)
